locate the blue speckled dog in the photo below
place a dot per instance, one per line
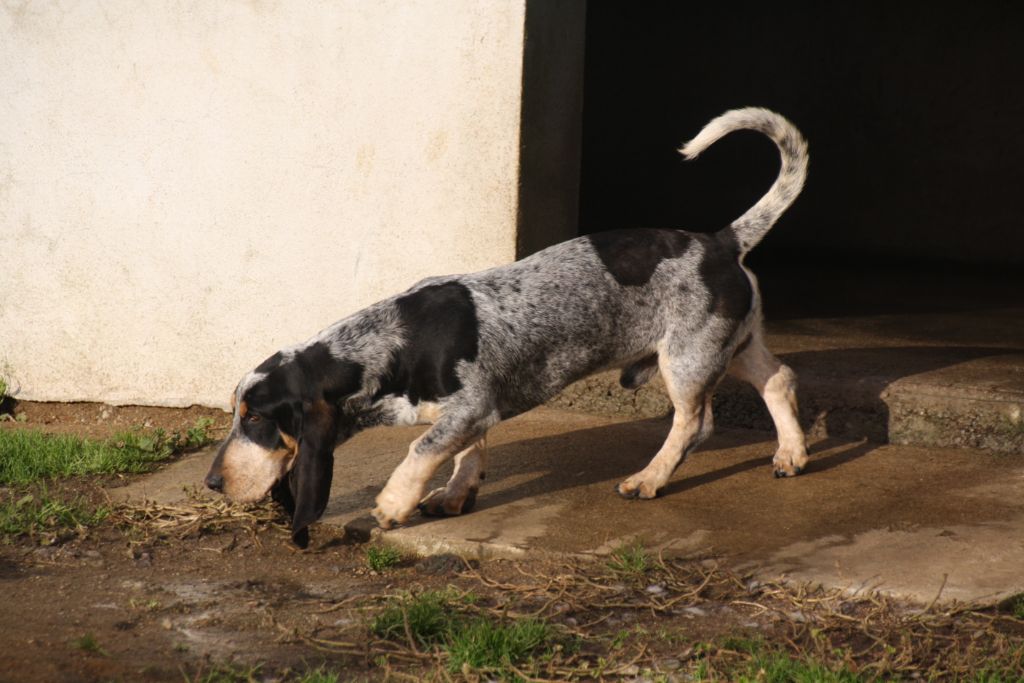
(464, 352)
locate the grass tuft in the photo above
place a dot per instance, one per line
(429, 616)
(779, 667)
(1018, 607)
(379, 558)
(762, 665)
(439, 619)
(630, 559)
(88, 643)
(483, 644)
(320, 675)
(31, 514)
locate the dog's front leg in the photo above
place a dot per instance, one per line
(407, 484)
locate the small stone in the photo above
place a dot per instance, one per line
(45, 552)
(166, 624)
(669, 664)
(445, 563)
(695, 611)
(655, 589)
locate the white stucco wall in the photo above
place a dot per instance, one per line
(187, 186)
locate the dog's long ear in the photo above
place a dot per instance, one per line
(309, 482)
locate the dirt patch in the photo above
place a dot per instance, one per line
(100, 421)
(175, 593)
(203, 591)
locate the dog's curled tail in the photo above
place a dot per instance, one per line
(753, 225)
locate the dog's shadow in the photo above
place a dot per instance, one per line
(610, 453)
(607, 454)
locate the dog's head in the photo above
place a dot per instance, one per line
(284, 430)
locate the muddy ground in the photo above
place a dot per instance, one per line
(207, 591)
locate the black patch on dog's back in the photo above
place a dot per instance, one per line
(441, 329)
(631, 256)
(335, 377)
(720, 269)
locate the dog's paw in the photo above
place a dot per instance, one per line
(391, 512)
(636, 487)
(384, 520)
(441, 503)
(789, 462)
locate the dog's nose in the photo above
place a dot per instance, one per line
(215, 482)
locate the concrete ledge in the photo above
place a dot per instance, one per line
(860, 378)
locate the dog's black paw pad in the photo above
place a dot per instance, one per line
(628, 495)
(428, 510)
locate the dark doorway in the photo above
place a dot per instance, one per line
(915, 116)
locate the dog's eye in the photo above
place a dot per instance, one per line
(252, 417)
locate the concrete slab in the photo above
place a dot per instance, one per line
(904, 520)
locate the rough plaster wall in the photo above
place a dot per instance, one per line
(186, 187)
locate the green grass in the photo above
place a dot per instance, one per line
(765, 665)
(379, 558)
(778, 667)
(318, 676)
(431, 618)
(27, 456)
(1017, 609)
(229, 673)
(34, 513)
(440, 619)
(630, 559)
(88, 643)
(235, 673)
(484, 644)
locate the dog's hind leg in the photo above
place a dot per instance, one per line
(777, 385)
(690, 388)
(459, 495)
(407, 484)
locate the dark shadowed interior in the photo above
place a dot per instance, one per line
(915, 116)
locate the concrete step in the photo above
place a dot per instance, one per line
(945, 380)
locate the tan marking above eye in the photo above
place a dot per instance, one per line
(243, 408)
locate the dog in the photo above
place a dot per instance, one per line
(465, 352)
